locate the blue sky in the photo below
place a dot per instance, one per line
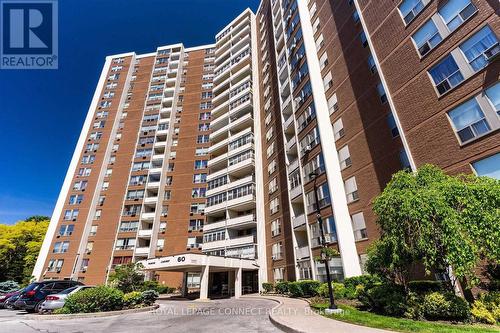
(42, 111)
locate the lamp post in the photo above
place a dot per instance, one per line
(324, 256)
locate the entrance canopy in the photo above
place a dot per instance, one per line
(194, 262)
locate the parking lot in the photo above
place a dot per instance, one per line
(229, 315)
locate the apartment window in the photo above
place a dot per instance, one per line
(359, 226)
(97, 214)
(455, 12)
(381, 93)
(200, 164)
(93, 230)
(60, 247)
(207, 86)
(427, 37)
(135, 194)
(108, 172)
(279, 274)
(204, 116)
(215, 236)
(205, 105)
(488, 167)
(310, 141)
(84, 172)
(167, 195)
(104, 104)
(199, 178)
(197, 208)
(88, 159)
(202, 139)
(338, 129)
(409, 9)
(351, 189)
(392, 125)
(80, 185)
(362, 37)
(199, 192)
(271, 167)
(270, 150)
(273, 185)
(193, 242)
(320, 42)
(329, 229)
(323, 61)
(169, 180)
(404, 160)
(66, 229)
(333, 104)
(274, 206)
(129, 226)
(75, 199)
(204, 127)
(55, 265)
(344, 157)
(159, 244)
(70, 214)
(316, 25)
(323, 198)
(294, 178)
(268, 119)
(493, 96)
(275, 227)
(328, 81)
(314, 166)
(125, 244)
(469, 121)
(306, 117)
(92, 146)
(206, 95)
(201, 151)
(276, 250)
(195, 224)
(105, 186)
(269, 134)
(482, 46)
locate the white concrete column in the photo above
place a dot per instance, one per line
(237, 282)
(231, 283)
(204, 282)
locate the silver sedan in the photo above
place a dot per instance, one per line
(56, 301)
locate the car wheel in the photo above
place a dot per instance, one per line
(37, 307)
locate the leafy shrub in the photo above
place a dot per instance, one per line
(132, 299)
(127, 277)
(282, 287)
(295, 289)
(487, 308)
(63, 310)
(445, 306)
(425, 286)
(96, 299)
(481, 313)
(309, 287)
(8, 286)
(339, 291)
(155, 285)
(414, 306)
(268, 287)
(387, 299)
(357, 283)
(149, 297)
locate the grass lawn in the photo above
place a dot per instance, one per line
(355, 316)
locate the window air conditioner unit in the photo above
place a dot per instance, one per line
(307, 149)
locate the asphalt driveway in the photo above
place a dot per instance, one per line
(229, 315)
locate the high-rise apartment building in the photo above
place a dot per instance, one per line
(210, 165)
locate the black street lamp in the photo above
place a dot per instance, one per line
(324, 257)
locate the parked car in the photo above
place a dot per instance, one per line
(5, 297)
(9, 303)
(34, 294)
(56, 301)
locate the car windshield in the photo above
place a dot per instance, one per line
(67, 291)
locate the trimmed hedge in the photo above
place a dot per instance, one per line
(96, 299)
(425, 286)
(282, 287)
(447, 306)
(268, 287)
(295, 289)
(132, 299)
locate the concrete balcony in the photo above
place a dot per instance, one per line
(302, 252)
(295, 192)
(245, 221)
(155, 170)
(141, 251)
(243, 201)
(299, 221)
(148, 216)
(234, 242)
(145, 233)
(230, 185)
(247, 252)
(151, 200)
(290, 143)
(153, 185)
(293, 165)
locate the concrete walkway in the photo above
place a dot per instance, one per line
(295, 316)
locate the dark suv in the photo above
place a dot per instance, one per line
(34, 294)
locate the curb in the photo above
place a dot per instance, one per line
(274, 320)
(91, 315)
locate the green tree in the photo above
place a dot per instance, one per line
(436, 220)
(37, 218)
(127, 277)
(19, 247)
